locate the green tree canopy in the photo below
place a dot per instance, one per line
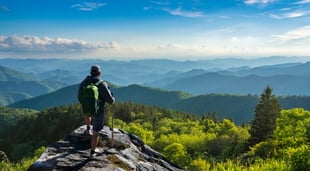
(293, 128)
(266, 113)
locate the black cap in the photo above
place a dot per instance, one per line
(95, 70)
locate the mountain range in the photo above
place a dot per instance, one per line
(250, 84)
(123, 73)
(15, 85)
(24, 78)
(229, 87)
(237, 107)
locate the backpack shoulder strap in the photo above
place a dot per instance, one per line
(99, 82)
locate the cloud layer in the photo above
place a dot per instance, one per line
(180, 12)
(87, 6)
(20, 44)
(28, 46)
(302, 33)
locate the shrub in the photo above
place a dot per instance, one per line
(199, 165)
(300, 158)
(264, 149)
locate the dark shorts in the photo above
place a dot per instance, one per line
(98, 121)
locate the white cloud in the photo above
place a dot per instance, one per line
(178, 11)
(159, 3)
(303, 2)
(260, 2)
(34, 44)
(183, 13)
(47, 47)
(296, 34)
(234, 39)
(87, 6)
(289, 15)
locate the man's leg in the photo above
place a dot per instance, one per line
(94, 141)
(97, 121)
(88, 122)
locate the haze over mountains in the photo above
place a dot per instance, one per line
(227, 86)
(15, 85)
(287, 75)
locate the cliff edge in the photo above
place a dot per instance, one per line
(125, 152)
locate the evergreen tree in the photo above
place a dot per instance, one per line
(264, 122)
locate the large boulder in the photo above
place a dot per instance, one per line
(125, 152)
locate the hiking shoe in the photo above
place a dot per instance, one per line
(92, 154)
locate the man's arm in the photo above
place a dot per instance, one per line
(106, 94)
(79, 90)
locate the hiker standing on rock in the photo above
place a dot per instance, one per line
(93, 93)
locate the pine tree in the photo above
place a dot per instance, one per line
(264, 122)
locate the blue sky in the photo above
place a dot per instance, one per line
(135, 29)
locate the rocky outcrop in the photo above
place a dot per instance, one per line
(125, 152)
(3, 157)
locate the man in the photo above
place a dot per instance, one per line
(105, 96)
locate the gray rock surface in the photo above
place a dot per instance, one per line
(125, 152)
(3, 157)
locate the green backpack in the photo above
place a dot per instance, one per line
(89, 97)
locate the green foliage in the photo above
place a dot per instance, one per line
(146, 135)
(21, 150)
(28, 132)
(177, 153)
(194, 143)
(293, 128)
(264, 149)
(24, 163)
(292, 135)
(208, 141)
(300, 158)
(291, 140)
(230, 141)
(199, 165)
(266, 113)
(269, 165)
(161, 128)
(9, 116)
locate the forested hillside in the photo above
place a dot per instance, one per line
(195, 143)
(15, 86)
(237, 107)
